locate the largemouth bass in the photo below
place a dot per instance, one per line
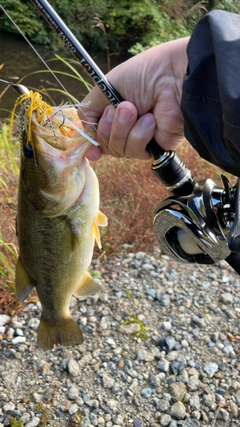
(58, 216)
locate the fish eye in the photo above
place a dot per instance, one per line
(28, 152)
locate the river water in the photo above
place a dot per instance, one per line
(19, 62)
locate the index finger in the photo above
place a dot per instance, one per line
(92, 107)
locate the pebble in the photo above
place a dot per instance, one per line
(171, 342)
(165, 420)
(227, 298)
(163, 365)
(33, 423)
(130, 329)
(199, 321)
(108, 382)
(178, 411)
(18, 340)
(4, 319)
(164, 299)
(146, 392)
(228, 349)
(73, 392)
(210, 369)
(193, 383)
(73, 368)
(73, 409)
(33, 323)
(178, 390)
(177, 373)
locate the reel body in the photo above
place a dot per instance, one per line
(195, 228)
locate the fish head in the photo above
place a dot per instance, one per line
(53, 160)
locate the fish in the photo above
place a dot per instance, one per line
(58, 216)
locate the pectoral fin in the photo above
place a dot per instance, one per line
(23, 283)
(100, 221)
(70, 241)
(88, 286)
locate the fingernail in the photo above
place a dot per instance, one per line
(109, 115)
(124, 116)
(147, 121)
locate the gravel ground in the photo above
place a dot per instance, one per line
(162, 348)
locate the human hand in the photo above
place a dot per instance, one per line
(151, 84)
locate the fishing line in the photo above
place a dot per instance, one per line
(66, 91)
(35, 51)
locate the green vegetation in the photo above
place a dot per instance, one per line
(101, 24)
(16, 423)
(134, 319)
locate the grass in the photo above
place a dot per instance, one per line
(9, 170)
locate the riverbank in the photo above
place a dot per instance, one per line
(161, 348)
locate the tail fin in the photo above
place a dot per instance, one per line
(64, 333)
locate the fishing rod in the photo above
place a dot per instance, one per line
(199, 222)
(167, 165)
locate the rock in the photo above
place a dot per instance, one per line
(9, 378)
(152, 293)
(234, 409)
(228, 349)
(167, 325)
(73, 392)
(18, 340)
(193, 383)
(93, 419)
(163, 405)
(4, 319)
(177, 390)
(73, 409)
(144, 355)
(164, 299)
(108, 382)
(171, 342)
(85, 360)
(165, 420)
(183, 377)
(210, 368)
(194, 402)
(199, 321)
(9, 407)
(73, 367)
(157, 379)
(178, 411)
(163, 365)
(25, 418)
(34, 323)
(223, 415)
(130, 329)
(227, 298)
(146, 392)
(33, 423)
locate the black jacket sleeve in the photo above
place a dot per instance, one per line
(211, 90)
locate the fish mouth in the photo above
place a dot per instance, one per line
(52, 136)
